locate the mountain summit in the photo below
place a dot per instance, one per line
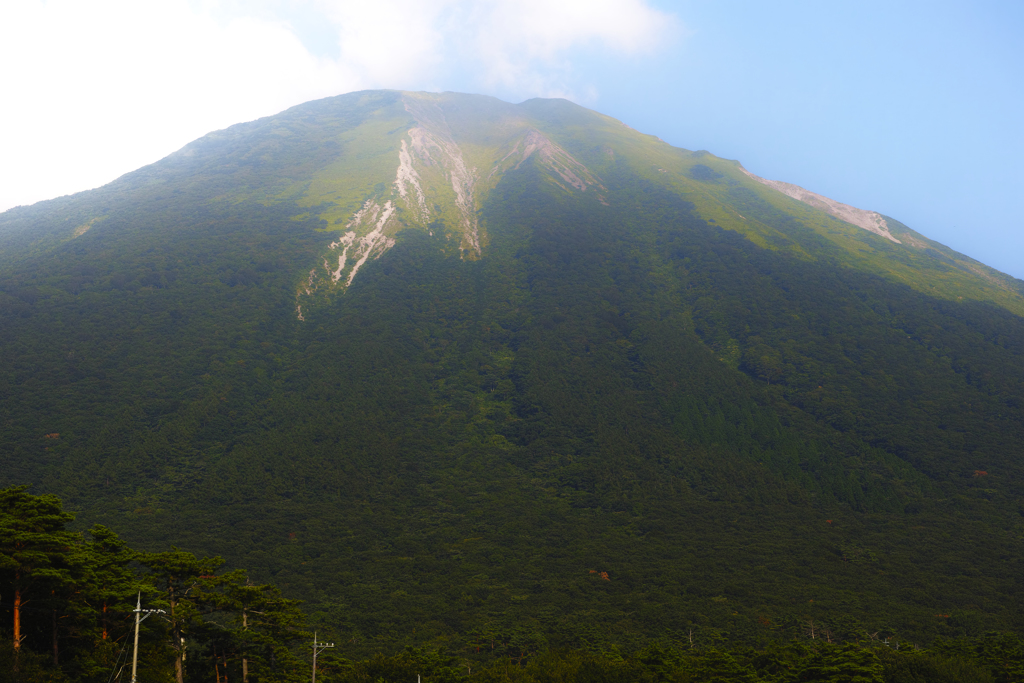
(373, 163)
(445, 366)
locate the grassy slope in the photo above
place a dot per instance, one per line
(920, 263)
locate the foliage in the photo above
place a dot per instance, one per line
(84, 590)
(694, 415)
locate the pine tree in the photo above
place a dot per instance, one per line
(267, 625)
(184, 582)
(109, 588)
(35, 553)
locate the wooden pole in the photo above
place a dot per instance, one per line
(314, 656)
(135, 654)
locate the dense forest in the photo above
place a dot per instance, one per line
(72, 597)
(72, 615)
(625, 442)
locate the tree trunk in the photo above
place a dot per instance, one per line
(104, 619)
(245, 662)
(17, 623)
(17, 617)
(179, 656)
(179, 642)
(55, 658)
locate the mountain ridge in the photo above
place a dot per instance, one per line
(872, 221)
(425, 126)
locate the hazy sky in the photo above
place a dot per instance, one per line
(913, 109)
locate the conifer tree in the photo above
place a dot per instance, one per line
(34, 551)
(267, 625)
(111, 586)
(184, 582)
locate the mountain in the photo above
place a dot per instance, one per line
(456, 372)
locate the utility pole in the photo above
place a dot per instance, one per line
(317, 649)
(138, 620)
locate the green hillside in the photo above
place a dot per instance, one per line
(453, 370)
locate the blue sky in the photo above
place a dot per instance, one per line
(911, 109)
(915, 110)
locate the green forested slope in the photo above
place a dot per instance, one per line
(744, 427)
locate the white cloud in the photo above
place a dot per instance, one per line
(95, 89)
(391, 43)
(517, 45)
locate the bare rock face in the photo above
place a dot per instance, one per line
(428, 161)
(869, 220)
(440, 183)
(572, 172)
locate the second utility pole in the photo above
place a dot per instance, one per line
(317, 649)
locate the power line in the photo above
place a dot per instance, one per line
(116, 671)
